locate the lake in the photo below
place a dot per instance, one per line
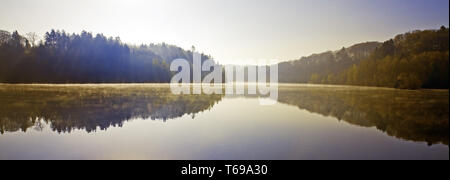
(146, 121)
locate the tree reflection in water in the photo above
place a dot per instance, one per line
(411, 115)
(68, 108)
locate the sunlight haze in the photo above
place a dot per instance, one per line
(231, 31)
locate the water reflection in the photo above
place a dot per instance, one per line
(68, 108)
(411, 115)
(420, 116)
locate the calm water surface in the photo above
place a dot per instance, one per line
(148, 122)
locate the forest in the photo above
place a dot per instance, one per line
(414, 60)
(302, 70)
(84, 58)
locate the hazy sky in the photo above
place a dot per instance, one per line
(231, 30)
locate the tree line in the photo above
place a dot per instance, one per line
(302, 70)
(413, 60)
(418, 59)
(84, 58)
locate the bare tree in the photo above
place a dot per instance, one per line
(32, 38)
(5, 36)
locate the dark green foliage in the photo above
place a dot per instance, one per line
(84, 58)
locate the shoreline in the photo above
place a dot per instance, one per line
(166, 84)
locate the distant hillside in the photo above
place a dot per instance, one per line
(301, 71)
(418, 59)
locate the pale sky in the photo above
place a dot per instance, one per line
(232, 31)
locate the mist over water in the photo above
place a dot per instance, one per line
(147, 121)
